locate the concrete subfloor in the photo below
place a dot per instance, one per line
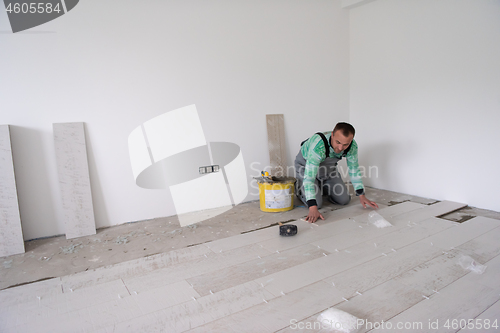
(57, 256)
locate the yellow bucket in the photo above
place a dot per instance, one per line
(277, 196)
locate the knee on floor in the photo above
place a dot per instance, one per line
(343, 200)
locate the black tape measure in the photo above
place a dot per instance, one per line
(288, 229)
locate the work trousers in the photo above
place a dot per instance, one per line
(328, 182)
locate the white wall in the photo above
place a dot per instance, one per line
(115, 64)
(425, 96)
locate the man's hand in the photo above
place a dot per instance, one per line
(364, 201)
(313, 214)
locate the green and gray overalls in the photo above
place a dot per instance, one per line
(317, 173)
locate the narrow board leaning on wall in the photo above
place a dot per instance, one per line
(276, 143)
(74, 180)
(11, 234)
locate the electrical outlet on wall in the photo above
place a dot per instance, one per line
(209, 169)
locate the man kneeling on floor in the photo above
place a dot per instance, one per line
(316, 170)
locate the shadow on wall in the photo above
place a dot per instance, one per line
(100, 211)
(32, 171)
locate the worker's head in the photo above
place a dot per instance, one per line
(342, 136)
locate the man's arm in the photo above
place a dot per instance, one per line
(313, 159)
(364, 201)
(355, 175)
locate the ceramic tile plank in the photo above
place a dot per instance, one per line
(483, 247)
(213, 262)
(11, 233)
(231, 276)
(382, 269)
(245, 239)
(490, 277)
(319, 233)
(112, 313)
(269, 234)
(380, 303)
(399, 219)
(340, 214)
(309, 233)
(361, 234)
(444, 270)
(413, 233)
(401, 208)
(278, 312)
(133, 268)
(390, 283)
(88, 319)
(359, 214)
(446, 310)
(433, 210)
(164, 297)
(299, 276)
(390, 197)
(74, 180)
(313, 271)
(29, 292)
(414, 215)
(76, 321)
(434, 274)
(490, 316)
(463, 232)
(469, 296)
(52, 306)
(358, 252)
(204, 310)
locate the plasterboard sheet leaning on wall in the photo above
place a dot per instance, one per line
(11, 234)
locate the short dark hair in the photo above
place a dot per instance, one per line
(346, 129)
